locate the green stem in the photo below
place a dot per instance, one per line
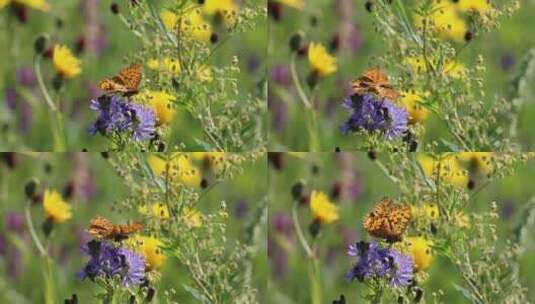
(314, 276)
(299, 232)
(57, 123)
(50, 289)
(33, 233)
(310, 114)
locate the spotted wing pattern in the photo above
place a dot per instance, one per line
(388, 220)
(375, 81)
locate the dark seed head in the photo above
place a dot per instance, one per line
(114, 8)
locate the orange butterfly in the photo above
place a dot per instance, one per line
(126, 82)
(375, 81)
(101, 228)
(388, 220)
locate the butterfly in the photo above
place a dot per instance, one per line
(101, 228)
(375, 81)
(388, 220)
(127, 81)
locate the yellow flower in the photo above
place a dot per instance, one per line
(65, 63)
(321, 61)
(193, 217)
(151, 249)
(42, 5)
(226, 9)
(158, 210)
(193, 23)
(216, 160)
(417, 64)
(427, 211)
(412, 102)
(169, 19)
(181, 169)
(462, 220)
(169, 65)
(475, 5)
(448, 168)
(447, 21)
(55, 207)
(162, 104)
(454, 69)
(480, 161)
(298, 4)
(204, 73)
(420, 251)
(322, 209)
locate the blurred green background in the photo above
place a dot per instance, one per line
(360, 183)
(107, 42)
(95, 187)
(346, 23)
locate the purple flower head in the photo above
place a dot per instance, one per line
(117, 116)
(109, 261)
(26, 77)
(371, 115)
(396, 120)
(133, 271)
(377, 262)
(144, 122)
(401, 268)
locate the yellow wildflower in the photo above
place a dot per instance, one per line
(412, 102)
(448, 168)
(181, 169)
(193, 23)
(427, 211)
(169, 65)
(169, 19)
(65, 63)
(321, 61)
(480, 6)
(420, 251)
(225, 9)
(480, 161)
(298, 4)
(322, 209)
(193, 217)
(162, 104)
(42, 5)
(55, 207)
(462, 220)
(151, 249)
(158, 210)
(205, 74)
(417, 64)
(447, 21)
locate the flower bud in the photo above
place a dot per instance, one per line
(40, 44)
(29, 188)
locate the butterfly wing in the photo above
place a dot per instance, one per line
(100, 227)
(376, 76)
(388, 220)
(127, 81)
(131, 77)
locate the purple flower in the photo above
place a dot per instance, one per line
(371, 115)
(143, 123)
(133, 271)
(109, 261)
(396, 120)
(26, 77)
(15, 222)
(118, 116)
(377, 262)
(401, 268)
